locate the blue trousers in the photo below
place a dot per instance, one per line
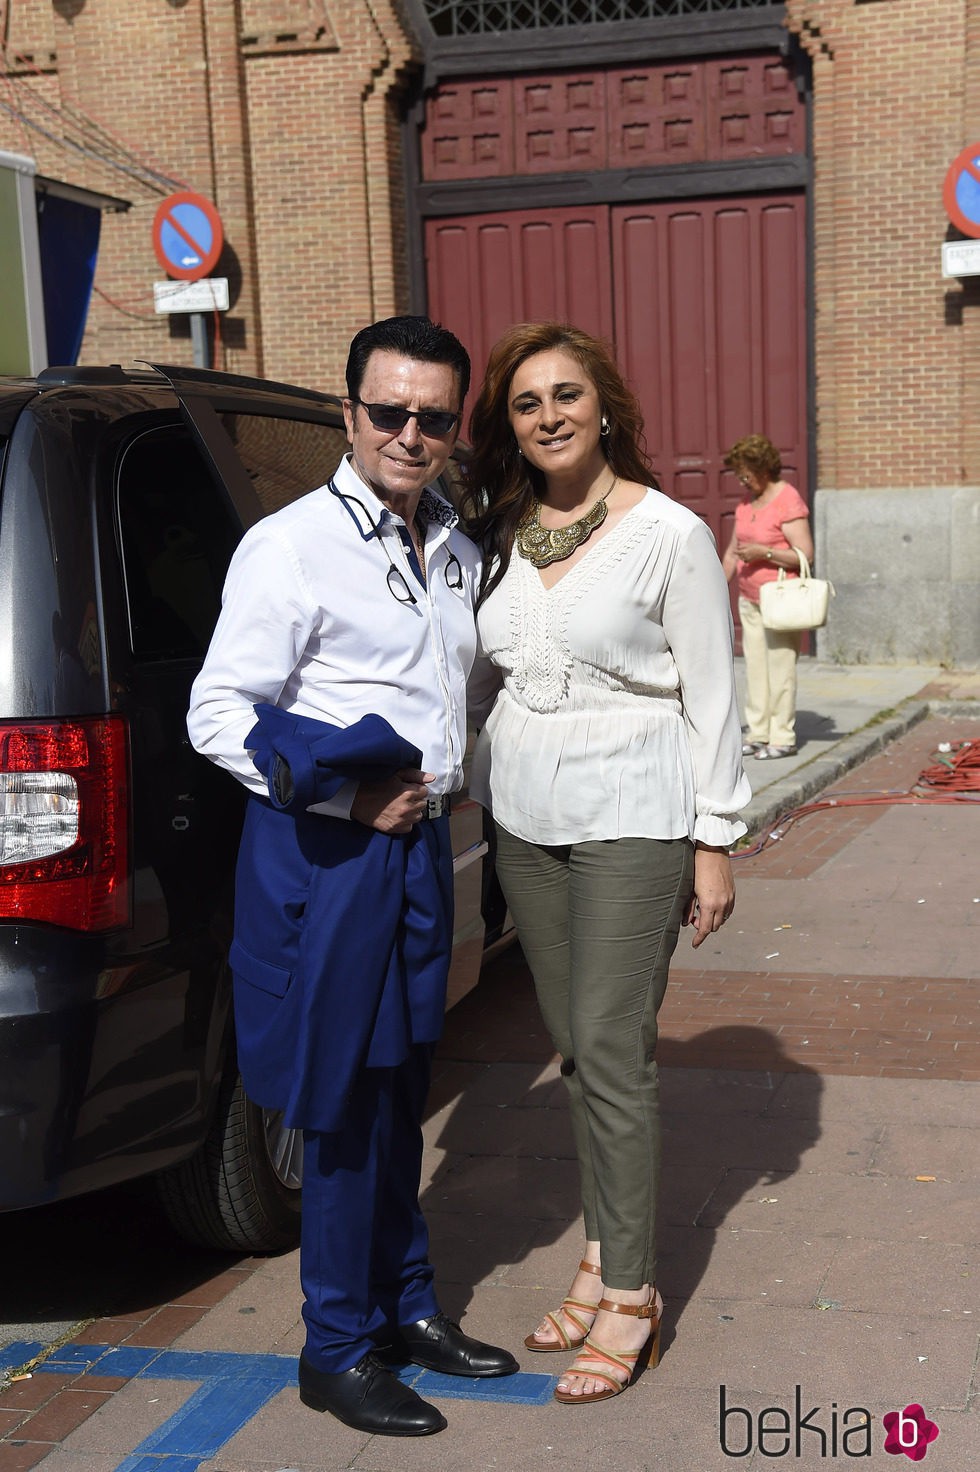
(364, 1250)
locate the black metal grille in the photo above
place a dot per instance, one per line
(483, 17)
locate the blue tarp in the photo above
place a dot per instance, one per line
(68, 234)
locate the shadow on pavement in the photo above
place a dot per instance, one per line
(107, 1254)
(724, 1142)
(508, 1182)
(812, 726)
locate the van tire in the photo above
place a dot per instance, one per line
(228, 1195)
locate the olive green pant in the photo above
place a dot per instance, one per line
(598, 923)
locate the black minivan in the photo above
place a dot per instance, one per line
(123, 495)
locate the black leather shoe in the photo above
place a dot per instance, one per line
(368, 1398)
(439, 1344)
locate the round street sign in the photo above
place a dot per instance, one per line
(961, 191)
(187, 236)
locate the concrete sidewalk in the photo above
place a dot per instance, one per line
(819, 1223)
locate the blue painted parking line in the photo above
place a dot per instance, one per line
(232, 1389)
(216, 1412)
(516, 1390)
(12, 1356)
(161, 1464)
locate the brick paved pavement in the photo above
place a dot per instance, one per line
(855, 941)
(819, 1223)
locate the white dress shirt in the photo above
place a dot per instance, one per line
(309, 623)
(617, 715)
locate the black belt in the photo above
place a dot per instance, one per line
(436, 807)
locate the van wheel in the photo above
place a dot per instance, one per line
(240, 1192)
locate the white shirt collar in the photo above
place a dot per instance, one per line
(369, 513)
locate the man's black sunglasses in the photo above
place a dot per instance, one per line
(392, 418)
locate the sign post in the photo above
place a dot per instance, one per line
(187, 241)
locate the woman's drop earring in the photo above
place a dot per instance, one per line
(604, 426)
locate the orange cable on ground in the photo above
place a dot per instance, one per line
(953, 777)
(957, 768)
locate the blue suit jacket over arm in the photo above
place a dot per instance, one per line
(342, 934)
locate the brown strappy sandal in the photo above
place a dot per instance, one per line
(569, 1307)
(599, 1364)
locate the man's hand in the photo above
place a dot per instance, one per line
(713, 899)
(394, 805)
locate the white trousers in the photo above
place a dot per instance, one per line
(770, 678)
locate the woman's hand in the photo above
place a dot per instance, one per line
(713, 897)
(393, 805)
(753, 552)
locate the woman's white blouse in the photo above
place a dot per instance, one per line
(617, 715)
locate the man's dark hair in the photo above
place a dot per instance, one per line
(412, 337)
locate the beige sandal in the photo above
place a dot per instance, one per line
(569, 1307)
(599, 1364)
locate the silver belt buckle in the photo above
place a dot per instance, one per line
(435, 807)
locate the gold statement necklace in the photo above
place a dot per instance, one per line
(543, 545)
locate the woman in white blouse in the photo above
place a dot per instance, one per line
(611, 761)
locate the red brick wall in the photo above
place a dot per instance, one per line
(889, 116)
(159, 108)
(295, 140)
(298, 143)
(321, 166)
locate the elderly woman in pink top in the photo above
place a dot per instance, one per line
(772, 528)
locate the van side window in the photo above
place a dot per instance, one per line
(177, 535)
(285, 458)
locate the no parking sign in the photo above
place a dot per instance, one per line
(961, 191)
(187, 236)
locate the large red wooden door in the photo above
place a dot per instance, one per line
(710, 304)
(486, 272)
(705, 301)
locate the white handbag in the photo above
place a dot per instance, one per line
(795, 603)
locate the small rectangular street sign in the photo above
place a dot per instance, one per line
(207, 295)
(961, 258)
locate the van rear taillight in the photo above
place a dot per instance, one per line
(64, 822)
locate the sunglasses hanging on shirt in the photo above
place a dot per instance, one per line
(395, 578)
(454, 572)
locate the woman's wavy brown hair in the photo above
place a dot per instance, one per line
(501, 487)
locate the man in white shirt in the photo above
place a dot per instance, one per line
(334, 689)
